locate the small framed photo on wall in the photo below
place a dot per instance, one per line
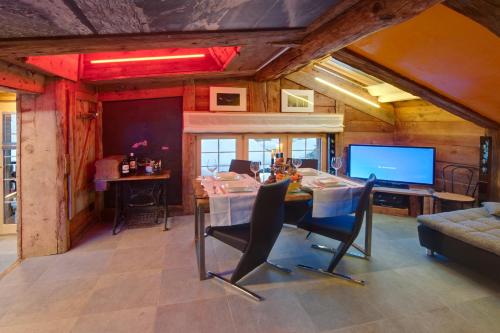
(228, 99)
(297, 100)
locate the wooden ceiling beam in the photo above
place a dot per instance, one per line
(20, 79)
(387, 75)
(362, 18)
(484, 12)
(22, 47)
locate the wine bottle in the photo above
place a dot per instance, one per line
(132, 162)
(124, 168)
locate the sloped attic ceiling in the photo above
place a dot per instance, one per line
(444, 51)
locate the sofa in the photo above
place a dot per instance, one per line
(470, 237)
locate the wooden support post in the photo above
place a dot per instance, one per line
(42, 180)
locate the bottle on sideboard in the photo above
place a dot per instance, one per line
(124, 168)
(132, 162)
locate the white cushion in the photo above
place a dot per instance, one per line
(493, 208)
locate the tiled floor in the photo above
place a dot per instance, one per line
(8, 251)
(145, 280)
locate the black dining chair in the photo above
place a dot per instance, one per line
(343, 228)
(256, 238)
(241, 167)
(307, 163)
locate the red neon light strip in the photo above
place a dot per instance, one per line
(186, 56)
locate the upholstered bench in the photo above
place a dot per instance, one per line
(469, 236)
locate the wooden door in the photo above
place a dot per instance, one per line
(84, 150)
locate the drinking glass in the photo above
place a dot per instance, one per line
(255, 167)
(296, 162)
(212, 165)
(337, 164)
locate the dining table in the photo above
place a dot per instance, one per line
(214, 196)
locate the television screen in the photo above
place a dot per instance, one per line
(413, 165)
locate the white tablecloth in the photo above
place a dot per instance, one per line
(333, 201)
(236, 208)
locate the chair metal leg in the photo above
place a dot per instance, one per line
(279, 267)
(244, 290)
(332, 274)
(331, 250)
(308, 234)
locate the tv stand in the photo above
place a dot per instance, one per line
(419, 200)
(392, 185)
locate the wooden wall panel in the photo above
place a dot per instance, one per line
(456, 140)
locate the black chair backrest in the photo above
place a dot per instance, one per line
(240, 167)
(364, 202)
(265, 226)
(307, 163)
(458, 179)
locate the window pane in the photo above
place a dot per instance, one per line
(298, 144)
(255, 156)
(225, 158)
(298, 154)
(227, 145)
(209, 145)
(271, 144)
(223, 168)
(311, 143)
(255, 145)
(206, 156)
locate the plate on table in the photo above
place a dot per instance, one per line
(237, 187)
(330, 182)
(227, 176)
(307, 171)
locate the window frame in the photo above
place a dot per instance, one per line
(242, 145)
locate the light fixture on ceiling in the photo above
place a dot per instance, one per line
(347, 92)
(171, 57)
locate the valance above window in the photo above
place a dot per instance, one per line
(256, 122)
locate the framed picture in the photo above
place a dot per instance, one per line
(296, 100)
(228, 99)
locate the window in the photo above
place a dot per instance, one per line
(306, 148)
(222, 150)
(9, 139)
(259, 149)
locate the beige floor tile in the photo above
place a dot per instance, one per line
(50, 300)
(142, 237)
(55, 326)
(280, 312)
(125, 291)
(211, 315)
(450, 287)
(483, 313)
(395, 295)
(137, 320)
(335, 304)
(136, 259)
(438, 321)
(78, 265)
(29, 271)
(182, 285)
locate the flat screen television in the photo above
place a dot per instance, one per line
(393, 164)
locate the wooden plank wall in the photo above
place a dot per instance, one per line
(419, 123)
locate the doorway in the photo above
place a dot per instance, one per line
(8, 173)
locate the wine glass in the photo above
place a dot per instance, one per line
(296, 162)
(255, 167)
(212, 165)
(337, 164)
